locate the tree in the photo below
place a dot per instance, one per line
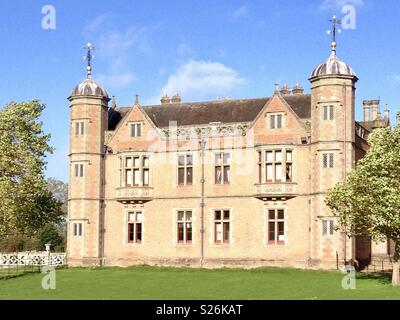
(26, 204)
(368, 203)
(59, 190)
(50, 234)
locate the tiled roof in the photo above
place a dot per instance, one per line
(224, 111)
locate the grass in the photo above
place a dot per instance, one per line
(194, 284)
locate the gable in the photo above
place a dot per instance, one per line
(293, 127)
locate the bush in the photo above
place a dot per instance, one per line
(19, 243)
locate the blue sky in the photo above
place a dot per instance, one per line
(203, 49)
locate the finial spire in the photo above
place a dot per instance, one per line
(89, 57)
(136, 100)
(335, 31)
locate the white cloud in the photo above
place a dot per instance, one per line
(116, 79)
(197, 80)
(338, 4)
(242, 12)
(116, 48)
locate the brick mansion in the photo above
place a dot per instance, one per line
(237, 183)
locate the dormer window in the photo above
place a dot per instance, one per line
(136, 130)
(276, 121)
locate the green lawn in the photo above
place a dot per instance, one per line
(168, 283)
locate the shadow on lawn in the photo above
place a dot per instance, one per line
(383, 278)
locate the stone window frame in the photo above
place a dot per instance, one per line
(185, 222)
(79, 127)
(276, 220)
(328, 227)
(125, 232)
(142, 168)
(136, 127)
(273, 120)
(185, 168)
(328, 160)
(222, 221)
(328, 112)
(284, 162)
(222, 167)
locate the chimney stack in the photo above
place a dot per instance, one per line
(298, 89)
(375, 109)
(387, 113)
(165, 99)
(285, 90)
(176, 98)
(367, 110)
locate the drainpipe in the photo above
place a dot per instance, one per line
(345, 157)
(202, 144)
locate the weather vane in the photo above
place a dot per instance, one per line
(89, 57)
(335, 31)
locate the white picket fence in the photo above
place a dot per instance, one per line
(32, 259)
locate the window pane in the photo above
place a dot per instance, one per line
(331, 227)
(181, 160)
(189, 160)
(289, 156)
(189, 231)
(132, 217)
(226, 232)
(288, 172)
(136, 162)
(76, 128)
(272, 120)
(270, 156)
(324, 228)
(75, 229)
(131, 235)
(227, 158)
(139, 216)
(146, 162)
(81, 170)
(79, 229)
(278, 156)
(270, 173)
(218, 159)
(331, 113)
(259, 156)
(325, 160)
(217, 215)
(129, 177)
(82, 128)
(128, 162)
(259, 173)
(138, 232)
(76, 171)
(136, 179)
(189, 175)
(331, 160)
(271, 214)
(181, 215)
(138, 130)
(218, 175)
(181, 176)
(226, 214)
(279, 121)
(278, 172)
(281, 214)
(133, 130)
(325, 113)
(281, 231)
(227, 171)
(181, 232)
(146, 177)
(218, 232)
(271, 231)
